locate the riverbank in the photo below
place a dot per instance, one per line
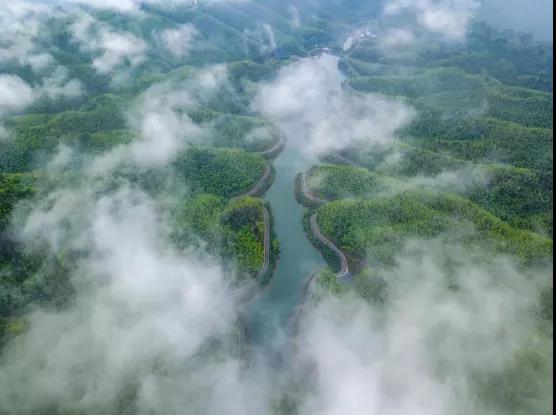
(270, 313)
(275, 149)
(335, 257)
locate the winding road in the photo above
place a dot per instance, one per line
(344, 273)
(275, 149)
(260, 185)
(308, 194)
(266, 245)
(345, 160)
(344, 267)
(245, 289)
(256, 190)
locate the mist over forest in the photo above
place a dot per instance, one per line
(272, 207)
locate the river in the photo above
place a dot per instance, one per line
(270, 313)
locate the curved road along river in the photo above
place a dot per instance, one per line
(247, 289)
(276, 148)
(250, 286)
(258, 188)
(308, 194)
(266, 244)
(269, 314)
(344, 266)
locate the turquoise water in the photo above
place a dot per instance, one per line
(270, 313)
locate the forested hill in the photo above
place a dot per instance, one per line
(137, 141)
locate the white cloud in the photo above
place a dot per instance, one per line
(264, 36)
(21, 22)
(307, 100)
(117, 48)
(111, 49)
(179, 41)
(533, 16)
(134, 6)
(271, 37)
(367, 32)
(448, 18)
(142, 313)
(149, 324)
(419, 353)
(57, 85)
(295, 16)
(457, 180)
(145, 314)
(163, 127)
(119, 5)
(15, 93)
(348, 43)
(423, 352)
(397, 37)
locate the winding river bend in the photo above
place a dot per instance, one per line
(270, 313)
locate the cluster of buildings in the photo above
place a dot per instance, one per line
(367, 33)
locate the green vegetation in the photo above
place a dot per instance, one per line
(485, 105)
(484, 111)
(233, 230)
(486, 102)
(524, 106)
(96, 127)
(520, 197)
(430, 82)
(223, 172)
(248, 133)
(465, 119)
(368, 284)
(245, 218)
(26, 277)
(453, 92)
(251, 71)
(488, 138)
(378, 228)
(13, 188)
(332, 182)
(202, 179)
(512, 58)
